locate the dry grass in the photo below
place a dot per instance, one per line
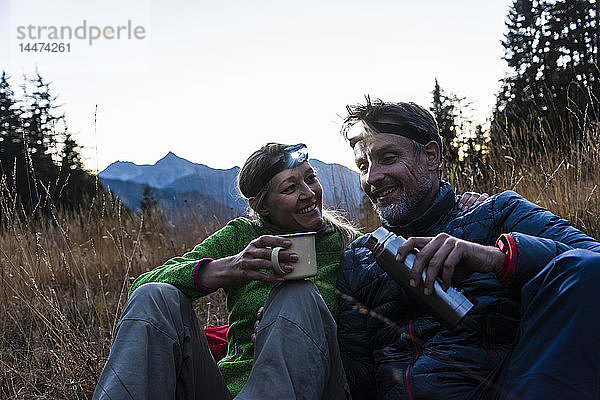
(64, 280)
(564, 182)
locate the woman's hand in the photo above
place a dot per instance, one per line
(259, 316)
(246, 265)
(469, 199)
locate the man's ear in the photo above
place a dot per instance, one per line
(432, 155)
(263, 211)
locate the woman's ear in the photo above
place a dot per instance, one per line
(262, 211)
(432, 155)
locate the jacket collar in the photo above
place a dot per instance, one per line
(437, 212)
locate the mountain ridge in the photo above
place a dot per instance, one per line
(180, 184)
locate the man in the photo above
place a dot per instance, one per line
(532, 333)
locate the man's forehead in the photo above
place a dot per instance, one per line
(380, 142)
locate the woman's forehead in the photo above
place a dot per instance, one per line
(298, 172)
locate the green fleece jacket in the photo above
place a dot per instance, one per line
(244, 301)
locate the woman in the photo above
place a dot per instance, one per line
(159, 350)
(285, 196)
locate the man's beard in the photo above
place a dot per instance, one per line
(405, 206)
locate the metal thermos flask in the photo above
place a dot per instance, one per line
(450, 306)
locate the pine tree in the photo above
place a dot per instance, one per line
(519, 96)
(40, 169)
(443, 108)
(40, 122)
(70, 158)
(154, 219)
(77, 186)
(11, 138)
(454, 124)
(552, 50)
(149, 204)
(465, 144)
(573, 25)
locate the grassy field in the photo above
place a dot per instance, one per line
(65, 279)
(64, 282)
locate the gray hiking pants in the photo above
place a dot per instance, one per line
(160, 352)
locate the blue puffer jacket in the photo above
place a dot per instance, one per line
(394, 349)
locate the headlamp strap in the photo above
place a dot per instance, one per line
(291, 158)
(403, 130)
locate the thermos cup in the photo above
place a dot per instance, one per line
(449, 307)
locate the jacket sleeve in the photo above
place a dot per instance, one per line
(353, 334)
(178, 271)
(539, 235)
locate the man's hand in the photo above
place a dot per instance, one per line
(444, 253)
(259, 316)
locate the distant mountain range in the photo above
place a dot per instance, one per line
(182, 187)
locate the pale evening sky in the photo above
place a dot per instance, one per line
(212, 81)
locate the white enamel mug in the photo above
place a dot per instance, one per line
(303, 244)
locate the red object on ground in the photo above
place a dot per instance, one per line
(217, 340)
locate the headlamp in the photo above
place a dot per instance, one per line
(292, 157)
(358, 131)
(298, 153)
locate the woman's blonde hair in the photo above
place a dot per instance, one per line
(258, 163)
